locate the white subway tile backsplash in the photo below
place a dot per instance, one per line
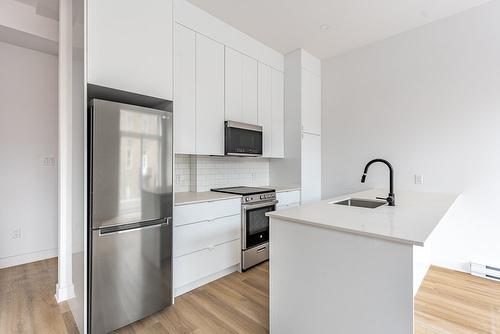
(182, 178)
(201, 173)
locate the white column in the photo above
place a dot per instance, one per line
(65, 288)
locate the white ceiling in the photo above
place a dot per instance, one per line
(286, 25)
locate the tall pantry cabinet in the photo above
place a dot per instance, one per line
(302, 162)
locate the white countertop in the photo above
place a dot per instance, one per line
(191, 197)
(411, 221)
(184, 198)
(285, 188)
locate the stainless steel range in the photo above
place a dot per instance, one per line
(255, 202)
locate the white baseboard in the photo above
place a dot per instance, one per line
(17, 260)
(207, 279)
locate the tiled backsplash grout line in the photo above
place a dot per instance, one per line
(201, 173)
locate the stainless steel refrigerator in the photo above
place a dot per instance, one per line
(130, 210)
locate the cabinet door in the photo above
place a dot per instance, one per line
(233, 85)
(311, 102)
(264, 117)
(184, 90)
(130, 46)
(278, 114)
(310, 168)
(209, 96)
(240, 87)
(249, 90)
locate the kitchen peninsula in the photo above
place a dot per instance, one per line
(336, 268)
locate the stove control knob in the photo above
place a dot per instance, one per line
(248, 199)
(262, 196)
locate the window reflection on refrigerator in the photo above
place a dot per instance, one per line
(140, 154)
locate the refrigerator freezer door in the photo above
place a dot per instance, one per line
(131, 274)
(131, 160)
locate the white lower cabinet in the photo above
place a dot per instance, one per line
(198, 268)
(287, 199)
(197, 212)
(207, 242)
(206, 235)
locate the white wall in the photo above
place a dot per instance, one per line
(428, 101)
(28, 133)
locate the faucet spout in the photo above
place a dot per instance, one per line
(391, 198)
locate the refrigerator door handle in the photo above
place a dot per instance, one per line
(111, 230)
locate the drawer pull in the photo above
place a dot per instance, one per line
(261, 249)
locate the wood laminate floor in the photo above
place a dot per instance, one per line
(27, 302)
(448, 302)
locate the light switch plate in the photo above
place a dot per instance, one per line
(16, 234)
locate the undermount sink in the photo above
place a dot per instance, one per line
(362, 203)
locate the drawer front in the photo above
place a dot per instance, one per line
(197, 265)
(192, 213)
(288, 197)
(207, 234)
(283, 207)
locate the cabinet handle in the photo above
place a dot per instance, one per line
(261, 249)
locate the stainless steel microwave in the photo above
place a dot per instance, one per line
(242, 139)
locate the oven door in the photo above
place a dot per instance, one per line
(243, 139)
(255, 224)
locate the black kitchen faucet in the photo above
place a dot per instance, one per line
(391, 200)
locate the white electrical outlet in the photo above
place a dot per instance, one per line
(48, 161)
(16, 234)
(419, 179)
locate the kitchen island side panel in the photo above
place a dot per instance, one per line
(327, 281)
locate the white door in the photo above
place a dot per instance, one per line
(184, 90)
(264, 117)
(310, 168)
(209, 96)
(278, 114)
(130, 46)
(311, 102)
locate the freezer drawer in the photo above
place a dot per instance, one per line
(131, 275)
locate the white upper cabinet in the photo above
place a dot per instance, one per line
(311, 102)
(265, 107)
(130, 46)
(233, 85)
(184, 90)
(240, 87)
(209, 96)
(271, 111)
(278, 114)
(249, 89)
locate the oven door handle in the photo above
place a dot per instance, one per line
(259, 205)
